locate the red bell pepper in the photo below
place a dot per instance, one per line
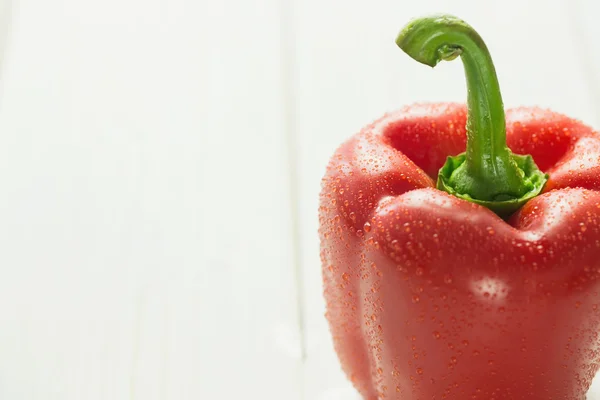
(486, 287)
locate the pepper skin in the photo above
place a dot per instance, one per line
(431, 296)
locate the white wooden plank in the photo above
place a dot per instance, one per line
(349, 72)
(144, 203)
(247, 290)
(587, 32)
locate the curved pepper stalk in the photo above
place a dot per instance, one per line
(488, 173)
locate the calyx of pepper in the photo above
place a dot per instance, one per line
(488, 173)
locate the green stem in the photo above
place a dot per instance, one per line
(488, 171)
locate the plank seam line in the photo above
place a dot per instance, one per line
(288, 62)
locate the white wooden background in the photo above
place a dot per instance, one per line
(159, 171)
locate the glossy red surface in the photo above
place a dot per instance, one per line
(432, 297)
